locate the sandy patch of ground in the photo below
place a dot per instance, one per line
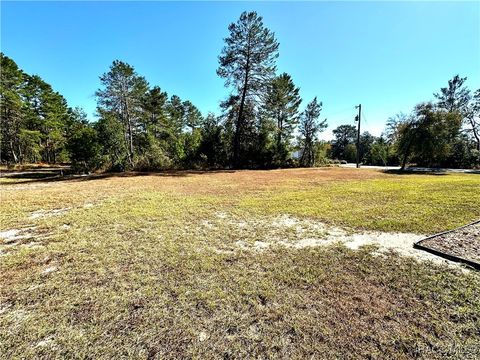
(27, 237)
(46, 213)
(10, 235)
(221, 215)
(49, 341)
(299, 233)
(401, 243)
(49, 270)
(13, 235)
(202, 336)
(13, 238)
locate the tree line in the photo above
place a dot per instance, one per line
(261, 123)
(443, 133)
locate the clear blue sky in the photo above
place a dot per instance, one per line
(387, 56)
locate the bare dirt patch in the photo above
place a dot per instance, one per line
(46, 213)
(14, 235)
(298, 233)
(27, 237)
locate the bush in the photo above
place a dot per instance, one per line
(29, 143)
(84, 149)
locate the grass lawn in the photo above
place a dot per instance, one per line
(162, 266)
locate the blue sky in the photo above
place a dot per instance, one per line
(386, 55)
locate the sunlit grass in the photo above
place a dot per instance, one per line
(414, 203)
(147, 266)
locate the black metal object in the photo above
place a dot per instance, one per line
(471, 263)
(358, 118)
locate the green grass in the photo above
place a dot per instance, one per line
(153, 269)
(409, 203)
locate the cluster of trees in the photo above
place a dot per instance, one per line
(261, 124)
(35, 119)
(445, 133)
(141, 127)
(138, 126)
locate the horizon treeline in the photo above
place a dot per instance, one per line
(263, 123)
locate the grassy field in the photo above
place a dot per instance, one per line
(165, 266)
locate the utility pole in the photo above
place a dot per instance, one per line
(358, 118)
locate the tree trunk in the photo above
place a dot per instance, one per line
(475, 133)
(239, 126)
(15, 158)
(279, 135)
(20, 155)
(236, 138)
(405, 156)
(129, 132)
(130, 138)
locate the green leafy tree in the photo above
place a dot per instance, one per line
(392, 126)
(455, 96)
(155, 114)
(84, 148)
(366, 142)
(46, 111)
(350, 152)
(281, 107)
(310, 126)
(247, 62)
(29, 107)
(30, 145)
(55, 116)
(248, 145)
(156, 131)
(192, 138)
(345, 135)
(192, 116)
(379, 152)
(111, 135)
(11, 103)
(427, 137)
(322, 151)
(176, 123)
(473, 118)
(122, 93)
(33, 88)
(213, 149)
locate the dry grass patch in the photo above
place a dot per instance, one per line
(152, 269)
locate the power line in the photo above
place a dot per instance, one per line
(350, 108)
(364, 117)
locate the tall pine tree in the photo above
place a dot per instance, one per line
(247, 63)
(121, 96)
(281, 106)
(11, 102)
(309, 129)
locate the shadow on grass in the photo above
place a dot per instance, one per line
(33, 175)
(415, 172)
(430, 171)
(67, 176)
(43, 175)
